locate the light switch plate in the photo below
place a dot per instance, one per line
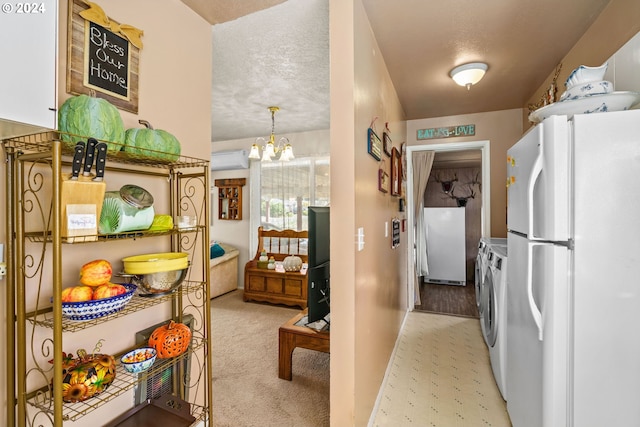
(360, 238)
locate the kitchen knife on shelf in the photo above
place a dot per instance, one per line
(89, 155)
(78, 154)
(101, 160)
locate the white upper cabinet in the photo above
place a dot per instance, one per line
(28, 56)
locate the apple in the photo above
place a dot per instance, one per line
(77, 294)
(109, 290)
(96, 273)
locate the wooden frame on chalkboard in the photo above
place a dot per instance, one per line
(125, 70)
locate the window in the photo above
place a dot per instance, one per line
(287, 189)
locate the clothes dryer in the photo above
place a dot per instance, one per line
(480, 270)
(482, 263)
(494, 317)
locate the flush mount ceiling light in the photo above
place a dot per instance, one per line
(468, 74)
(269, 148)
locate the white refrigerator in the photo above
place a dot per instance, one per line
(446, 255)
(573, 287)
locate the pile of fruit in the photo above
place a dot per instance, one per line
(95, 284)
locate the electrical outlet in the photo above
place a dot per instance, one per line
(3, 269)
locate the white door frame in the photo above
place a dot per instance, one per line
(485, 221)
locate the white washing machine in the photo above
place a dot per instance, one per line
(482, 264)
(481, 270)
(494, 317)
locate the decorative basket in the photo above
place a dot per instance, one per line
(87, 310)
(86, 376)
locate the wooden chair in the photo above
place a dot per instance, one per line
(281, 244)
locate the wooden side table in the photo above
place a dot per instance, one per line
(292, 336)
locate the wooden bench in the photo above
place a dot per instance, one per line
(262, 284)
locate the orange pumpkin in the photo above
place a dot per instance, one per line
(170, 340)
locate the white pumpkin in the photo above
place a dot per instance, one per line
(292, 263)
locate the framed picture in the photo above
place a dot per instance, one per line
(395, 233)
(374, 145)
(403, 163)
(383, 181)
(104, 56)
(386, 142)
(396, 172)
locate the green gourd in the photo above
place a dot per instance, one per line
(150, 143)
(85, 116)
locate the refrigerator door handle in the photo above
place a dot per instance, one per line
(536, 170)
(535, 311)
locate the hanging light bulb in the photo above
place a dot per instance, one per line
(287, 153)
(270, 149)
(255, 152)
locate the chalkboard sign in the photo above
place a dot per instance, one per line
(103, 60)
(106, 61)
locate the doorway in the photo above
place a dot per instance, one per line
(450, 149)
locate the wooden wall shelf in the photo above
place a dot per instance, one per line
(230, 198)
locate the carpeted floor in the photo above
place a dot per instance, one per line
(246, 389)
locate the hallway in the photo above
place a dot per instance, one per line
(448, 299)
(440, 377)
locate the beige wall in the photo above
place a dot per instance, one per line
(617, 23)
(343, 213)
(502, 129)
(175, 80)
(368, 287)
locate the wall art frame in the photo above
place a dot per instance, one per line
(383, 180)
(395, 233)
(374, 144)
(387, 143)
(103, 56)
(396, 172)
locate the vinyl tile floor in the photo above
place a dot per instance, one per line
(440, 377)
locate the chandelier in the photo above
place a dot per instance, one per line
(269, 148)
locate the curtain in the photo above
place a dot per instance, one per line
(421, 162)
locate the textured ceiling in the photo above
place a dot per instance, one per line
(279, 55)
(217, 11)
(521, 41)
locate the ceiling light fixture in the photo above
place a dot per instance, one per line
(468, 74)
(269, 148)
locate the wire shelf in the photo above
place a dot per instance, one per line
(45, 316)
(42, 142)
(122, 382)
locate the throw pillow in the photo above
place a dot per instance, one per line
(215, 251)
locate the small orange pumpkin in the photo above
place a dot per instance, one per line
(170, 340)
